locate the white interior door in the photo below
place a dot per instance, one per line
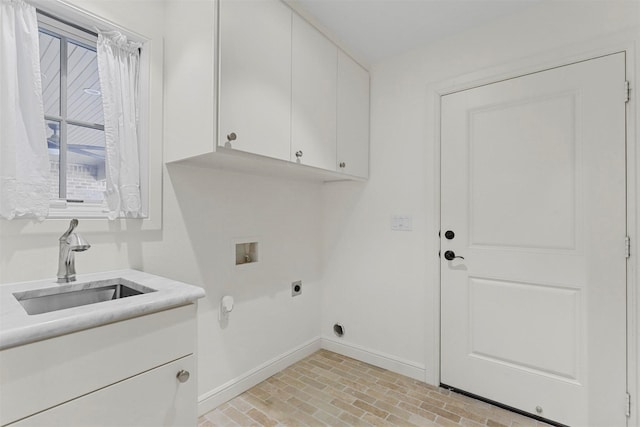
(533, 187)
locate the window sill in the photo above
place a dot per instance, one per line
(60, 209)
(93, 216)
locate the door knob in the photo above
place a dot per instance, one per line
(450, 255)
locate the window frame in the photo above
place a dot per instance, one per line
(68, 33)
(59, 27)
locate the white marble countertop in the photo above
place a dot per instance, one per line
(17, 327)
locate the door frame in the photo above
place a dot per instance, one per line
(627, 42)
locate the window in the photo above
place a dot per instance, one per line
(73, 113)
(71, 136)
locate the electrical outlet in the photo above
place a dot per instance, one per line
(296, 288)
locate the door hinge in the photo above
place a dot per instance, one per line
(627, 91)
(628, 413)
(627, 247)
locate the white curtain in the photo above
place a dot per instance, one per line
(118, 66)
(24, 160)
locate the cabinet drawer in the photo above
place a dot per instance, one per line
(153, 399)
(46, 373)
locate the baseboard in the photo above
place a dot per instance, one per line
(219, 395)
(216, 397)
(381, 360)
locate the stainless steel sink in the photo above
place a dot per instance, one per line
(40, 301)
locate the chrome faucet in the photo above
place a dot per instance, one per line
(70, 243)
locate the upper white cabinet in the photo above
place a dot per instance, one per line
(190, 79)
(251, 85)
(255, 77)
(314, 87)
(352, 117)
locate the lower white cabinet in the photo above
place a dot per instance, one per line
(151, 399)
(132, 373)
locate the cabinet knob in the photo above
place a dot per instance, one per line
(298, 154)
(231, 137)
(183, 376)
(342, 165)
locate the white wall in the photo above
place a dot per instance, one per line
(382, 284)
(203, 212)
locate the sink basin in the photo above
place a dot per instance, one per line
(40, 301)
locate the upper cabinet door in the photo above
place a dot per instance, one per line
(353, 117)
(314, 77)
(255, 77)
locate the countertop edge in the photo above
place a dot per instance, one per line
(171, 294)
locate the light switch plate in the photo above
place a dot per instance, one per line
(401, 222)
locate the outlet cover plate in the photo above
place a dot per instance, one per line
(296, 288)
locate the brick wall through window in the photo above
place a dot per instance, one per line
(82, 182)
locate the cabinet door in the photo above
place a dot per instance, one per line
(314, 75)
(255, 77)
(154, 398)
(353, 117)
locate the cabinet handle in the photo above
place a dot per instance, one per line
(183, 376)
(342, 165)
(298, 154)
(231, 137)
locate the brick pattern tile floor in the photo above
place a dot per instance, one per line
(328, 389)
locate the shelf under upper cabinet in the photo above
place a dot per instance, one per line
(233, 160)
